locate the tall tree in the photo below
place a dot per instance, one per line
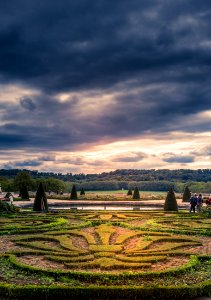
(54, 184)
(136, 194)
(73, 195)
(186, 195)
(170, 202)
(23, 178)
(40, 201)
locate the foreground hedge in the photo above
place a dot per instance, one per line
(193, 262)
(96, 292)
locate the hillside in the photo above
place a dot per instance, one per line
(182, 175)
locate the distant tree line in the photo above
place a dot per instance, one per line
(182, 175)
(51, 184)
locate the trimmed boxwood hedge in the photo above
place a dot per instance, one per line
(104, 292)
(32, 231)
(192, 263)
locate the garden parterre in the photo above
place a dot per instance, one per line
(80, 253)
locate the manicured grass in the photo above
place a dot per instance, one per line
(124, 192)
(111, 195)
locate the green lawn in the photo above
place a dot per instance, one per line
(124, 192)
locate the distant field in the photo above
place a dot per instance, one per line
(124, 192)
(112, 195)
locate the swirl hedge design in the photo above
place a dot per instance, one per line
(105, 248)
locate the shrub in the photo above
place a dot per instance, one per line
(7, 207)
(40, 201)
(129, 193)
(73, 195)
(170, 202)
(136, 194)
(24, 192)
(186, 195)
(82, 191)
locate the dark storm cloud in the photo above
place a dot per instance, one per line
(12, 139)
(65, 45)
(28, 163)
(22, 164)
(68, 125)
(52, 125)
(27, 103)
(154, 54)
(173, 158)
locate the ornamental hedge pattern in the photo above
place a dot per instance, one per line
(105, 254)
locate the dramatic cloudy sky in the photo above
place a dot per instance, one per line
(91, 86)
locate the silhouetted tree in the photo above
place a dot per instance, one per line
(40, 201)
(186, 195)
(24, 192)
(136, 194)
(170, 202)
(129, 193)
(82, 191)
(73, 195)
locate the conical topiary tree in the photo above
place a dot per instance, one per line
(186, 195)
(40, 201)
(136, 194)
(24, 193)
(170, 202)
(82, 192)
(73, 195)
(129, 193)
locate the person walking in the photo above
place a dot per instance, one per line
(199, 203)
(11, 199)
(193, 203)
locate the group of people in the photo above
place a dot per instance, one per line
(196, 201)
